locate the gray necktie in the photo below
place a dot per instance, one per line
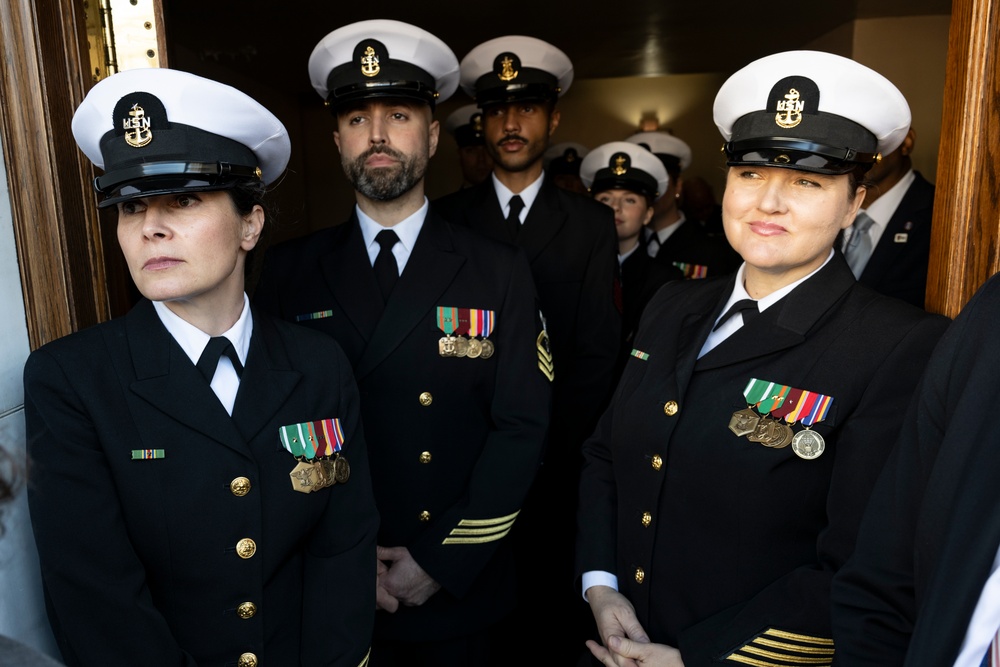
(859, 246)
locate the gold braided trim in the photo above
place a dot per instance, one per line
(364, 661)
(495, 521)
(792, 647)
(797, 637)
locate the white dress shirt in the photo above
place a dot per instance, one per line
(881, 212)
(226, 382)
(528, 196)
(407, 230)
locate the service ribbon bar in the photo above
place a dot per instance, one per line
(447, 319)
(481, 322)
(319, 315)
(147, 454)
(765, 395)
(329, 436)
(639, 354)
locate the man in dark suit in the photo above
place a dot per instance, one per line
(901, 205)
(670, 237)
(441, 327)
(571, 244)
(923, 585)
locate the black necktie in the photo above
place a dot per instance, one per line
(209, 360)
(748, 308)
(514, 217)
(386, 270)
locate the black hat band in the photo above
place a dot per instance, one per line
(633, 180)
(529, 84)
(348, 83)
(468, 135)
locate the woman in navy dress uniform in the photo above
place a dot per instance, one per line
(200, 492)
(724, 486)
(630, 179)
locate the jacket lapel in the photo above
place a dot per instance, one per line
(359, 297)
(786, 322)
(268, 379)
(168, 380)
(545, 219)
(429, 271)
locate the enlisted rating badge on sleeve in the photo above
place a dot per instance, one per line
(771, 411)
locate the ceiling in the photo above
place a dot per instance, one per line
(266, 39)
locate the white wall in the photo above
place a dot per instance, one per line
(22, 611)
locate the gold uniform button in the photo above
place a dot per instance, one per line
(240, 486)
(670, 408)
(247, 660)
(425, 457)
(657, 462)
(639, 575)
(647, 519)
(425, 516)
(426, 399)
(246, 548)
(246, 610)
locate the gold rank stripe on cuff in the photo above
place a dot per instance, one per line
(364, 661)
(480, 531)
(779, 648)
(147, 454)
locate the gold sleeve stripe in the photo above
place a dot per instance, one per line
(786, 657)
(489, 522)
(475, 540)
(789, 648)
(764, 641)
(758, 663)
(364, 661)
(798, 638)
(481, 531)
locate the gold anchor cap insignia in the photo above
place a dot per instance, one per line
(789, 110)
(507, 67)
(477, 122)
(138, 131)
(369, 63)
(620, 164)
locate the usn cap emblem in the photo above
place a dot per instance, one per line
(137, 128)
(509, 65)
(369, 63)
(789, 110)
(621, 164)
(477, 123)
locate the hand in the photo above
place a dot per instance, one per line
(405, 580)
(383, 600)
(643, 654)
(615, 617)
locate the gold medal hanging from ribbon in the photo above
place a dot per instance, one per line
(447, 322)
(772, 408)
(317, 448)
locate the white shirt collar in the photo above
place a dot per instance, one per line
(193, 340)
(882, 209)
(734, 324)
(528, 195)
(407, 230)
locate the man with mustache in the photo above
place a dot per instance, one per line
(441, 328)
(571, 243)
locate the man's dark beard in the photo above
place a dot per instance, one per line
(384, 183)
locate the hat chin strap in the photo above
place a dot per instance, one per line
(736, 149)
